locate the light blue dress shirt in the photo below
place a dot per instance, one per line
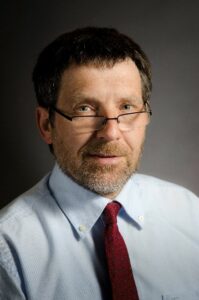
(51, 241)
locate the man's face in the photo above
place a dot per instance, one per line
(103, 160)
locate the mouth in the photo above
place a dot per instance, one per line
(104, 159)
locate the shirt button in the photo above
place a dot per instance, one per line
(141, 218)
(82, 228)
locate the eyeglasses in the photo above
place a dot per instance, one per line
(126, 122)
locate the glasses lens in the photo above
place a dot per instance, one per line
(131, 121)
(88, 124)
(125, 122)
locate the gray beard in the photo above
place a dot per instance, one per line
(91, 177)
(106, 180)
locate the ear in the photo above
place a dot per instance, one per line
(43, 124)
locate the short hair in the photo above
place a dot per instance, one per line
(89, 45)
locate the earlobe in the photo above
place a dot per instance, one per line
(43, 124)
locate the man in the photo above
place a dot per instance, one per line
(57, 241)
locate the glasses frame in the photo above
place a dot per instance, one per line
(71, 118)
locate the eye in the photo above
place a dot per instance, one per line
(84, 108)
(127, 107)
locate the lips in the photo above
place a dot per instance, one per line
(104, 152)
(104, 159)
(103, 155)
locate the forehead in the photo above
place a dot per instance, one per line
(105, 83)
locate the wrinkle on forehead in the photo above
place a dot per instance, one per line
(81, 83)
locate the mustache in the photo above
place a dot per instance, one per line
(104, 148)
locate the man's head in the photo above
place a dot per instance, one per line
(94, 72)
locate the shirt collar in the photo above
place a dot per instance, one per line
(83, 207)
(131, 199)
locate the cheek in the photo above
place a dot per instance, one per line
(71, 140)
(135, 138)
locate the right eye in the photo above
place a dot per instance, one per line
(84, 109)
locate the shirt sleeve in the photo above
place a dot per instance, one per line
(10, 286)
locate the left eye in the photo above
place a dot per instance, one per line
(127, 107)
(84, 108)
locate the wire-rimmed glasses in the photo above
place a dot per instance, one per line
(126, 122)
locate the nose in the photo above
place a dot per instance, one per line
(110, 131)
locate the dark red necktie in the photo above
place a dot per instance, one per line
(120, 272)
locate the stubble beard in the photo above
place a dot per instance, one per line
(105, 180)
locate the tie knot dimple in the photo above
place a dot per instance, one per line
(111, 212)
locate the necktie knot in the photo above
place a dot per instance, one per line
(111, 212)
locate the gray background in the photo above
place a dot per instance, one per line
(167, 31)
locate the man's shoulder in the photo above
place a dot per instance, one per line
(24, 205)
(154, 185)
(169, 200)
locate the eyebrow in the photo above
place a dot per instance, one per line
(79, 98)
